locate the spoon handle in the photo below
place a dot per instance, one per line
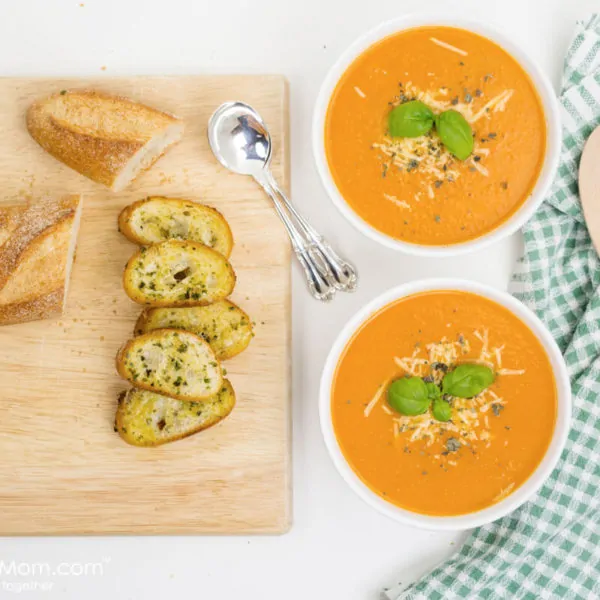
(316, 276)
(340, 272)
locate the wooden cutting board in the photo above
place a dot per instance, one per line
(64, 470)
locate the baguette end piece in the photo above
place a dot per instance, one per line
(37, 249)
(109, 139)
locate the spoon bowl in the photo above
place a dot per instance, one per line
(239, 139)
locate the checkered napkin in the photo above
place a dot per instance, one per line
(550, 547)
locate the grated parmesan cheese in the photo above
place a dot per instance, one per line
(470, 423)
(504, 492)
(511, 371)
(479, 167)
(376, 398)
(448, 46)
(498, 354)
(426, 154)
(397, 202)
(496, 104)
(359, 92)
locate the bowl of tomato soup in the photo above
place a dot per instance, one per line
(436, 137)
(445, 404)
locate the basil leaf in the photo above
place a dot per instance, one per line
(456, 133)
(433, 391)
(411, 119)
(467, 380)
(441, 409)
(408, 396)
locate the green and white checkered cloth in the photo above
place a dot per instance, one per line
(550, 547)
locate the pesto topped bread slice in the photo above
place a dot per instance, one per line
(176, 363)
(176, 273)
(149, 419)
(157, 219)
(224, 325)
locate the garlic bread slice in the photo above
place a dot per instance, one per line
(149, 419)
(224, 325)
(157, 219)
(171, 362)
(176, 273)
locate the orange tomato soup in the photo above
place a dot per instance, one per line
(413, 189)
(492, 443)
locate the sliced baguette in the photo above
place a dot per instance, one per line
(149, 419)
(157, 219)
(37, 248)
(225, 326)
(109, 139)
(176, 273)
(172, 362)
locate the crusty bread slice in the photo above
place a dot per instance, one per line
(149, 419)
(109, 139)
(176, 273)
(37, 247)
(157, 219)
(176, 363)
(224, 325)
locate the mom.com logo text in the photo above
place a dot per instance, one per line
(43, 569)
(17, 577)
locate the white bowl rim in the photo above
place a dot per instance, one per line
(531, 485)
(541, 83)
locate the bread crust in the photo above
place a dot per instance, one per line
(36, 243)
(84, 149)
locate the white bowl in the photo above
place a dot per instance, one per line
(521, 494)
(553, 141)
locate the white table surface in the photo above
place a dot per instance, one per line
(338, 548)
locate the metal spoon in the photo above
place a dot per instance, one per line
(241, 142)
